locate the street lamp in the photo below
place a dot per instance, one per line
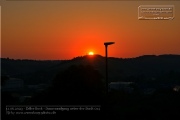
(106, 50)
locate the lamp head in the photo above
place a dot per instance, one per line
(108, 43)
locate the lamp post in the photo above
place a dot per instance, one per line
(106, 51)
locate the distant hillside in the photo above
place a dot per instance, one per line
(148, 65)
(19, 67)
(143, 67)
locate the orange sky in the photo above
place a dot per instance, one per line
(64, 30)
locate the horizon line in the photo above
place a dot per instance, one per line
(84, 56)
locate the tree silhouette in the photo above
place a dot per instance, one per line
(76, 85)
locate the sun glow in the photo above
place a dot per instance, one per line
(91, 53)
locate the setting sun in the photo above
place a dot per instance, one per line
(91, 53)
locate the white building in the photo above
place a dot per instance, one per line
(125, 86)
(13, 84)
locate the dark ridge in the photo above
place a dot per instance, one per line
(119, 69)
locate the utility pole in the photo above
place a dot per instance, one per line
(106, 53)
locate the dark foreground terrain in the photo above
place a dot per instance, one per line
(143, 88)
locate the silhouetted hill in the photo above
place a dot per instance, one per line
(129, 69)
(25, 69)
(154, 93)
(14, 67)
